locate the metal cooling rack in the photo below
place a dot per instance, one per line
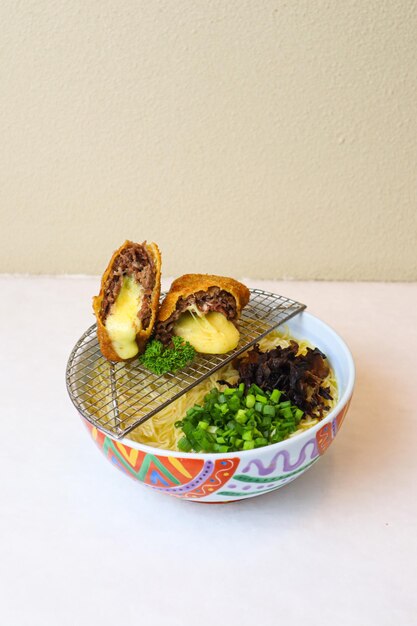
(118, 397)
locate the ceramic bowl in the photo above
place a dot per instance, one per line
(239, 475)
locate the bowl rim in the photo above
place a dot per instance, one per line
(341, 403)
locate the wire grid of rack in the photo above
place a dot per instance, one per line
(118, 397)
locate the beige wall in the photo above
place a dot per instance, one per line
(263, 138)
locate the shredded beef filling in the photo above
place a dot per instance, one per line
(214, 299)
(299, 377)
(136, 262)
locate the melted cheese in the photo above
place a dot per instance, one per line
(122, 323)
(212, 333)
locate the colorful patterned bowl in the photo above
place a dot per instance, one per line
(239, 475)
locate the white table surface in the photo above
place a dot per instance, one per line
(80, 543)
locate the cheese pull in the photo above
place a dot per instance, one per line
(212, 333)
(123, 324)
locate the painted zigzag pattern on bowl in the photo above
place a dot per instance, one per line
(180, 477)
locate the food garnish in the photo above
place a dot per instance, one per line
(232, 420)
(299, 376)
(160, 359)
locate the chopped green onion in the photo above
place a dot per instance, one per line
(241, 416)
(250, 401)
(232, 420)
(234, 403)
(275, 396)
(247, 435)
(184, 445)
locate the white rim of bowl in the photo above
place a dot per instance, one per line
(273, 446)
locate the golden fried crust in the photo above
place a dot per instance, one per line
(188, 284)
(143, 335)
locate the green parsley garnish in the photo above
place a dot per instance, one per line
(233, 420)
(161, 360)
